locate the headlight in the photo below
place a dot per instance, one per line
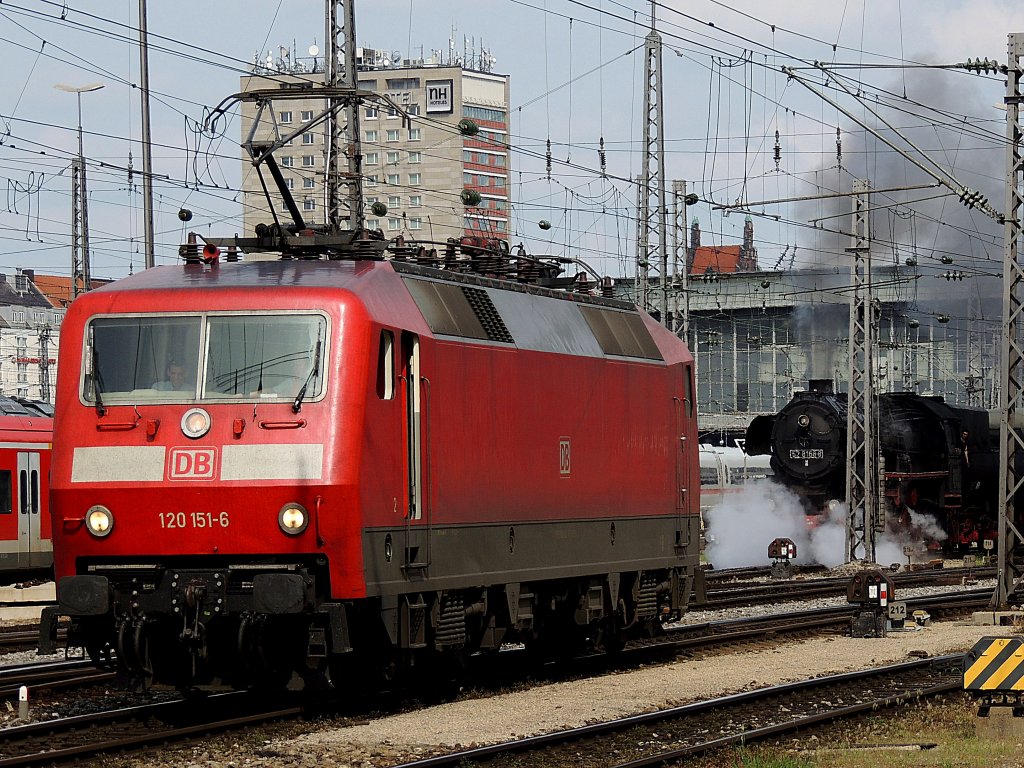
(293, 519)
(803, 420)
(99, 521)
(195, 423)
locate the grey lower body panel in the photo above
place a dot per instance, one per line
(452, 556)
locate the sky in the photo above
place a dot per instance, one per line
(577, 78)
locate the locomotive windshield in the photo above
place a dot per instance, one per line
(204, 357)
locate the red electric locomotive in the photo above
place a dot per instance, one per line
(26, 435)
(290, 470)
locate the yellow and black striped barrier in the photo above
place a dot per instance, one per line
(995, 665)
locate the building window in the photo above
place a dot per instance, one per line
(500, 226)
(415, 157)
(371, 200)
(415, 178)
(371, 180)
(415, 201)
(289, 142)
(394, 225)
(22, 373)
(392, 112)
(371, 137)
(286, 116)
(58, 317)
(394, 201)
(415, 134)
(403, 83)
(416, 223)
(19, 317)
(372, 224)
(309, 204)
(469, 179)
(372, 158)
(308, 161)
(394, 157)
(371, 113)
(309, 138)
(483, 113)
(307, 115)
(393, 134)
(287, 161)
(393, 179)
(308, 183)
(289, 183)
(412, 109)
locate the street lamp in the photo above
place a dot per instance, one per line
(80, 277)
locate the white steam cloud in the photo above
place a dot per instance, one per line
(740, 528)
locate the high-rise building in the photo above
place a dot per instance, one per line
(417, 169)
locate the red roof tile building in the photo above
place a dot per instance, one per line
(718, 259)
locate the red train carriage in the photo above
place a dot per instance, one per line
(290, 470)
(26, 436)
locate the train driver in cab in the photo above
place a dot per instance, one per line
(174, 378)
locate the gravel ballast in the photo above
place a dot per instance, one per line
(570, 704)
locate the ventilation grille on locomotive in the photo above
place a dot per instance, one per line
(458, 310)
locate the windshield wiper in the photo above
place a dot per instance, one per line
(297, 405)
(97, 378)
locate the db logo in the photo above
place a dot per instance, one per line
(564, 456)
(192, 463)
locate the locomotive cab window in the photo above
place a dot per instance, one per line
(185, 358)
(275, 356)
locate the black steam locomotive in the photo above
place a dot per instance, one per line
(939, 459)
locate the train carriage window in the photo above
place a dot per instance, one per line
(386, 366)
(35, 491)
(23, 490)
(6, 499)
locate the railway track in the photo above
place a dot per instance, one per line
(658, 738)
(802, 589)
(50, 676)
(83, 736)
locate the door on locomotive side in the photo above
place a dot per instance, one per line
(417, 531)
(29, 506)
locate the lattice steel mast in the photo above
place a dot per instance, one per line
(343, 182)
(862, 404)
(1012, 349)
(653, 225)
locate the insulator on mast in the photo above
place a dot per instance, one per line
(547, 160)
(778, 151)
(839, 148)
(601, 156)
